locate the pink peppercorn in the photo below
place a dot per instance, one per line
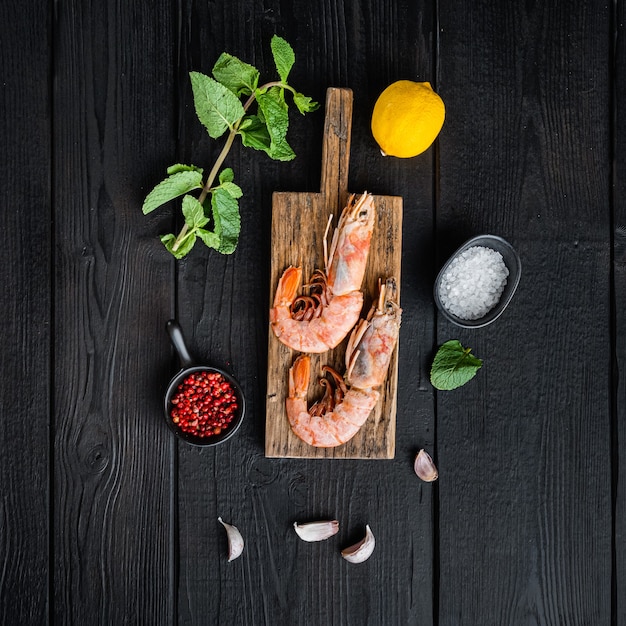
(204, 404)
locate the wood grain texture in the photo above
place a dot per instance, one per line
(619, 310)
(112, 455)
(25, 196)
(105, 518)
(299, 222)
(525, 448)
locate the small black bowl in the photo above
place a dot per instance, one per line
(188, 367)
(513, 264)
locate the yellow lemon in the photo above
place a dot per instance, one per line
(407, 118)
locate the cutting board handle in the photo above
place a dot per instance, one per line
(336, 147)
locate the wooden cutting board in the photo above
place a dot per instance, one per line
(298, 224)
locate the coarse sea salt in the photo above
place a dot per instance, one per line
(473, 283)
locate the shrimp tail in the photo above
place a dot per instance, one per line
(299, 376)
(286, 291)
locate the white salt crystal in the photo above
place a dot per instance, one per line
(473, 283)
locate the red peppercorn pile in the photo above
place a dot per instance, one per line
(204, 404)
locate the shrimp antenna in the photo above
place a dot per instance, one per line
(382, 291)
(330, 219)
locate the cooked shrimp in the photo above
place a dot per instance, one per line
(319, 321)
(346, 404)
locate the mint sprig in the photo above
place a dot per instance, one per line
(453, 366)
(219, 107)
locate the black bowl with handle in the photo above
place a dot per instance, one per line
(188, 367)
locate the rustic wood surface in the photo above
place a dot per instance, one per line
(617, 201)
(25, 319)
(105, 518)
(299, 221)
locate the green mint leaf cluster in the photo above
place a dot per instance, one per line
(274, 112)
(214, 216)
(216, 223)
(453, 366)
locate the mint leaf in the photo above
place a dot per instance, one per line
(239, 77)
(217, 107)
(453, 366)
(304, 103)
(168, 241)
(184, 249)
(227, 219)
(177, 184)
(234, 191)
(179, 167)
(226, 182)
(211, 239)
(275, 112)
(284, 57)
(227, 175)
(193, 212)
(254, 133)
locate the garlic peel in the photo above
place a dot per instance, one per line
(362, 550)
(235, 540)
(317, 531)
(425, 467)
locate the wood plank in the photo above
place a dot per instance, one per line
(25, 319)
(525, 449)
(619, 309)
(222, 306)
(299, 222)
(114, 137)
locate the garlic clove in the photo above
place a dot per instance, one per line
(317, 531)
(235, 540)
(425, 468)
(362, 550)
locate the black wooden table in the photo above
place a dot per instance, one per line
(106, 518)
